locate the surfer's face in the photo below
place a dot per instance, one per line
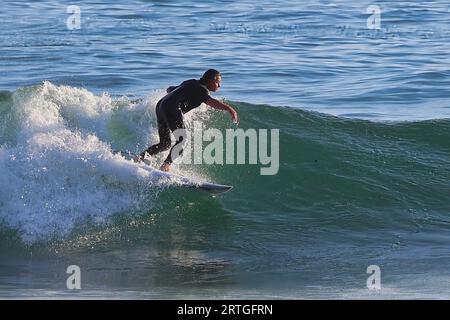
(214, 84)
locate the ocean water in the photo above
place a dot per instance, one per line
(364, 151)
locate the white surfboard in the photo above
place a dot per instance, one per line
(180, 180)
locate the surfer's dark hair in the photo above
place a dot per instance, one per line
(209, 75)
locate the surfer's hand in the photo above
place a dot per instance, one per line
(234, 116)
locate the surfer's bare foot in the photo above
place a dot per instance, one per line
(165, 167)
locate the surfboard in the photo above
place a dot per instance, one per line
(182, 181)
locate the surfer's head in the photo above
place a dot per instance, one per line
(211, 79)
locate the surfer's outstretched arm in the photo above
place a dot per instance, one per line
(216, 104)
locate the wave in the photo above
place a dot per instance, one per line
(57, 167)
(58, 172)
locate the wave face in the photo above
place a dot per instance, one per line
(353, 175)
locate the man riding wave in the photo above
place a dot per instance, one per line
(179, 100)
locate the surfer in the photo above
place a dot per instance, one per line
(179, 100)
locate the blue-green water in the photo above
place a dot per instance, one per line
(364, 150)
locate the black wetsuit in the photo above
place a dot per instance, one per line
(169, 112)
